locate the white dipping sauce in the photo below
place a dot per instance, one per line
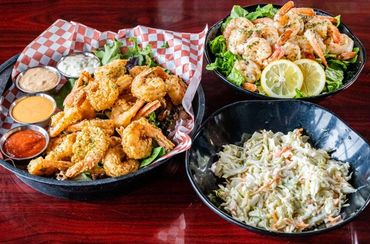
(73, 65)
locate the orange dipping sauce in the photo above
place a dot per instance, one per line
(24, 144)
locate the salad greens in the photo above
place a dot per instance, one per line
(111, 52)
(156, 153)
(63, 92)
(143, 55)
(335, 71)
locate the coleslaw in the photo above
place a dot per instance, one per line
(281, 183)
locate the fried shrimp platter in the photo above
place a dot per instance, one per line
(111, 122)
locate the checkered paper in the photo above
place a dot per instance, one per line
(183, 57)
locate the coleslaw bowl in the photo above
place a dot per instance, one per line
(326, 130)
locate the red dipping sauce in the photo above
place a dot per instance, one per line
(24, 144)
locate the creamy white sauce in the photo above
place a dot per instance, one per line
(74, 65)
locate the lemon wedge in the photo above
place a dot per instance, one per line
(281, 78)
(313, 77)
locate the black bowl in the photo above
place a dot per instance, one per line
(325, 129)
(85, 190)
(350, 75)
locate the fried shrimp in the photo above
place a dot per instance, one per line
(124, 82)
(46, 167)
(137, 70)
(115, 162)
(88, 150)
(150, 84)
(103, 94)
(124, 111)
(107, 125)
(148, 109)
(137, 138)
(111, 71)
(60, 148)
(176, 89)
(79, 109)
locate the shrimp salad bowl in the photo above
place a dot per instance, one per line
(280, 167)
(285, 52)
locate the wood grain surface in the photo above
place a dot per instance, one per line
(164, 208)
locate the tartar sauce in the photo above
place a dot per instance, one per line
(73, 65)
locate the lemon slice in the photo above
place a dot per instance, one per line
(313, 77)
(281, 78)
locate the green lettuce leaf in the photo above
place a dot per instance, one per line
(224, 63)
(144, 56)
(334, 79)
(85, 176)
(238, 11)
(63, 92)
(152, 118)
(218, 45)
(236, 77)
(156, 153)
(111, 52)
(266, 11)
(338, 20)
(299, 94)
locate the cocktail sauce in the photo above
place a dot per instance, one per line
(24, 144)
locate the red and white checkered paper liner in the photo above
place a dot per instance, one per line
(183, 57)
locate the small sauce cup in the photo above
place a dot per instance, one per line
(34, 128)
(85, 54)
(43, 122)
(51, 90)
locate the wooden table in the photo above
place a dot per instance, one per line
(165, 208)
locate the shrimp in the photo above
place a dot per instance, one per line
(236, 38)
(124, 110)
(79, 110)
(106, 124)
(45, 167)
(256, 49)
(347, 55)
(288, 20)
(176, 89)
(77, 89)
(111, 71)
(137, 139)
(237, 23)
(249, 69)
(267, 32)
(317, 44)
(344, 45)
(305, 46)
(90, 147)
(250, 87)
(148, 109)
(264, 21)
(323, 27)
(292, 51)
(150, 84)
(61, 148)
(102, 94)
(124, 82)
(137, 70)
(113, 164)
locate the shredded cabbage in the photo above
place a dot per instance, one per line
(280, 182)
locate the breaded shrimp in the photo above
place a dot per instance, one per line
(45, 167)
(137, 139)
